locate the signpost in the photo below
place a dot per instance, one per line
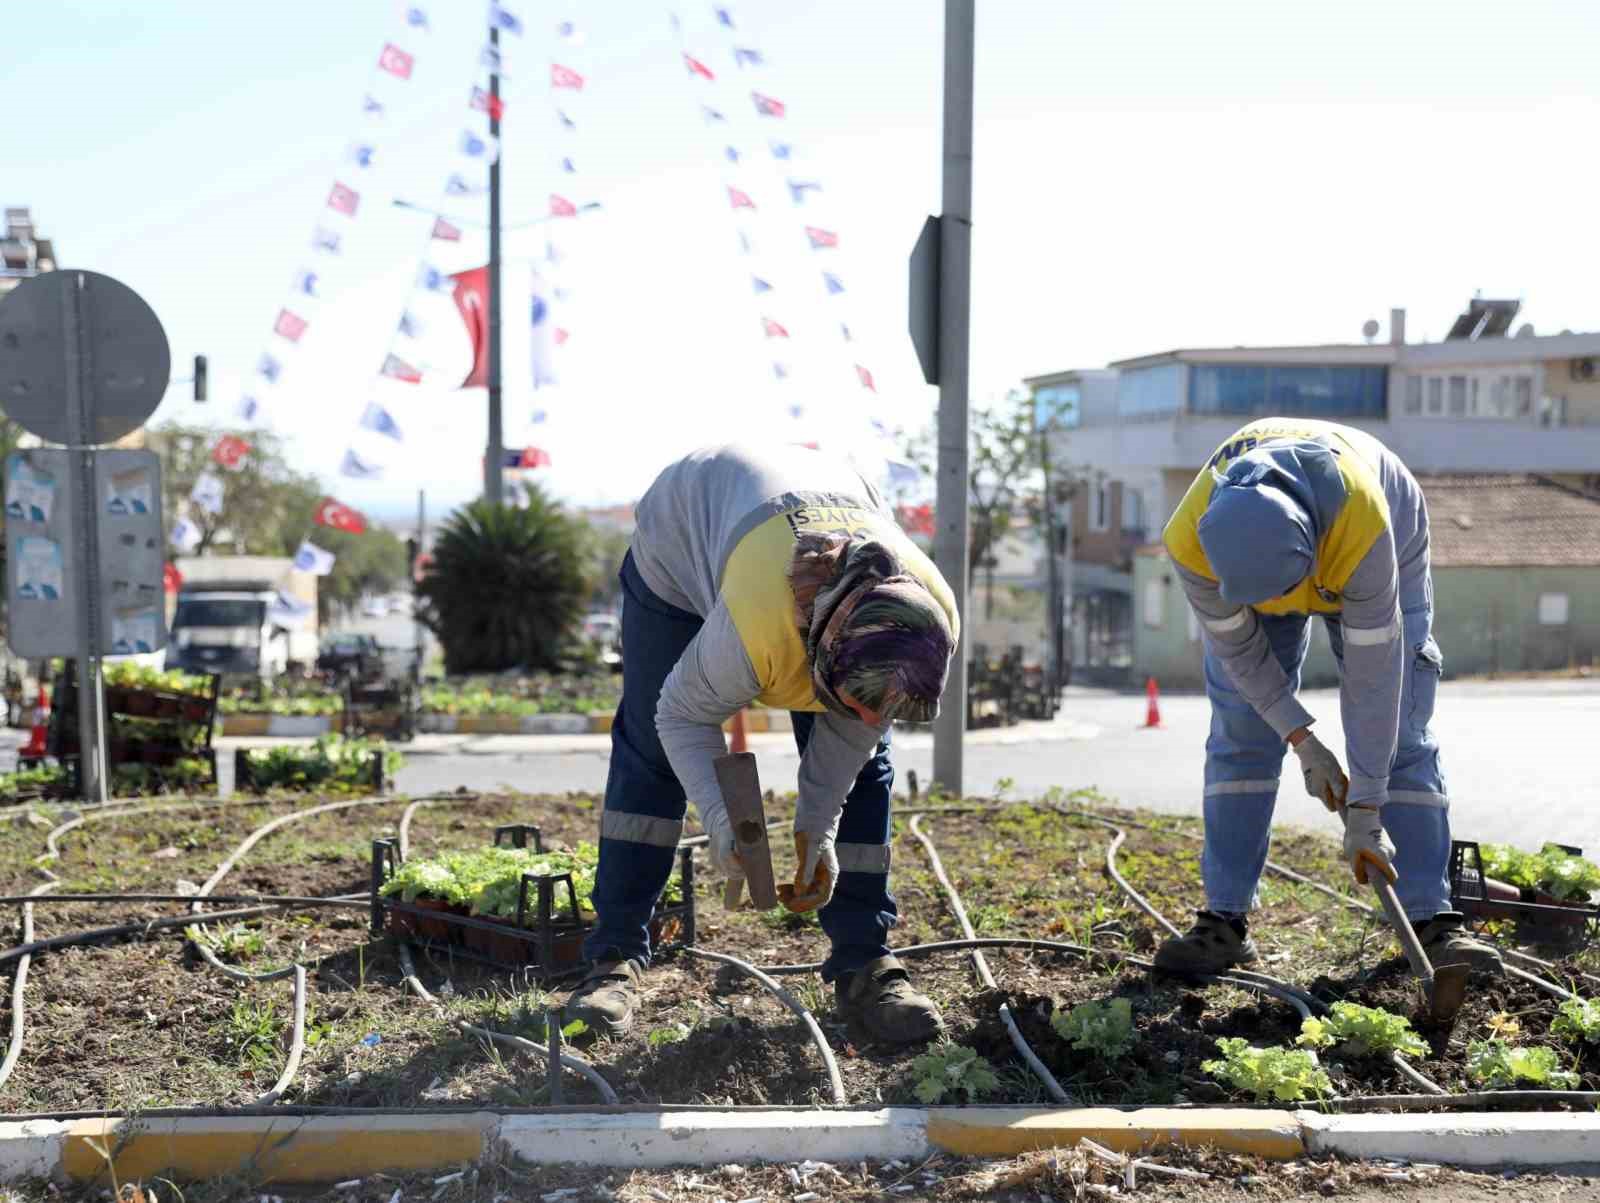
(83, 362)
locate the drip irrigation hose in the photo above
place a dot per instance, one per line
(349, 900)
(297, 1042)
(1533, 979)
(835, 1082)
(14, 1048)
(577, 1065)
(981, 964)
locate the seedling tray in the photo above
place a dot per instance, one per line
(547, 935)
(1541, 917)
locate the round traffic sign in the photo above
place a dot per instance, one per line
(129, 362)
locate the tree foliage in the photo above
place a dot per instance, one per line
(507, 585)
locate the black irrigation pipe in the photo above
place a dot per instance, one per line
(18, 984)
(1013, 1032)
(359, 901)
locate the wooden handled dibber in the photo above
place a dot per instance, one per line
(741, 793)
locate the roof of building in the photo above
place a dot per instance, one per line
(1510, 521)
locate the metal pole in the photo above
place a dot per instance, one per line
(422, 535)
(493, 462)
(951, 541)
(1054, 564)
(76, 316)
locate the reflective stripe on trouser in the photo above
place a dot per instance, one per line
(1244, 757)
(858, 917)
(644, 806)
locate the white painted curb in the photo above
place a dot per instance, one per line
(1470, 1138)
(292, 725)
(31, 1149)
(437, 724)
(716, 1137)
(555, 724)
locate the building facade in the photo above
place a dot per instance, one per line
(22, 252)
(1481, 401)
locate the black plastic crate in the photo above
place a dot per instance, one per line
(1539, 916)
(547, 936)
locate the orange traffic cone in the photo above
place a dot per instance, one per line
(736, 737)
(1152, 707)
(41, 725)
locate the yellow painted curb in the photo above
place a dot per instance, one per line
(242, 724)
(274, 1149)
(489, 724)
(1005, 1132)
(600, 724)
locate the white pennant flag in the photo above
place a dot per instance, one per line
(208, 492)
(185, 535)
(311, 558)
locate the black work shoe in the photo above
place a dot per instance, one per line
(606, 998)
(880, 998)
(1213, 945)
(1447, 942)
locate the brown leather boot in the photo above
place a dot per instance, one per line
(879, 997)
(606, 998)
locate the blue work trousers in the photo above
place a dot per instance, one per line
(644, 807)
(1244, 757)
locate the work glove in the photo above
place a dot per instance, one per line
(816, 872)
(724, 853)
(1325, 779)
(1366, 844)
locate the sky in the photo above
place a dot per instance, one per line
(1147, 175)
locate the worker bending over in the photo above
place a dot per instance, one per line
(1292, 518)
(775, 575)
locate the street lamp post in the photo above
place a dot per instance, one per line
(494, 461)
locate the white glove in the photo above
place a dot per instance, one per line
(724, 855)
(1325, 779)
(1366, 844)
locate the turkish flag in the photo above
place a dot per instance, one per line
(560, 206)
(565, 77)
(396, 61)
(916, 519)
(344, 199)
(472, 300)
(171, 578)
(738, 199)
(696, 67)
(230, 451)
(772, 329)
(339, 516)
(866, 378)
(534, 457)
(289, 325)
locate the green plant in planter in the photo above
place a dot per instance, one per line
(1578, 1019)
(1104, 1027)
(332, 763)
(489, 880)
(1496, 1064)
(1556, 872)
(953, 1070)
(1273, 1073)
(1362, 1031)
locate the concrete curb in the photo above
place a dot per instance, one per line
(291, 1148)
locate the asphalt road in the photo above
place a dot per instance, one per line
(1515, 756)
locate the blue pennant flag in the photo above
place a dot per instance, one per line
(745, 56)
(269, 368)
(371, 106)
(362, 155)
(724, 17)
(325, 240)
(537, 416)
(845, 330)
(566, 122)
(780, 150)
(567, 166)
(505, 19)
(745, 245)
(306, 282)
(781, 372)
(799, 188)
(835, 285)
(249, 407)
(760, 285)
(409, 325)
(731, 153)
(797, 412)
(377, 418)
(711, 114)
(354, 465)
(416, 18)
(432, 279)
(458, 186)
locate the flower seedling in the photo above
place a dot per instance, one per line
(1284, 1074)
(1496, 1065)
(953, 1070)
(1362, 1031)
(1104, 1028)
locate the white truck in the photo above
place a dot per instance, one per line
(228, 617)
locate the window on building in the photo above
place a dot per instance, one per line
(1553, 609)
(1145, 392)
(1155, 604)
(1057, 405)
(1413, 394)
(1522, 392)
(1493, 394)
(1133, 518)
(1300, 390)
(1435, 396)
(1458, 396)
(1100, 507)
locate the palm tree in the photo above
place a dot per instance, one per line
(506, 585)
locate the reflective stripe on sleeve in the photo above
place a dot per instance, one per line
(640, 829)
(862, 858)
(1372, 636)
(1218, 788)
(1231, 623)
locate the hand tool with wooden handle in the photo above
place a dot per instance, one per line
(741, 794)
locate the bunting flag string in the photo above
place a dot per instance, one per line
(820, 240)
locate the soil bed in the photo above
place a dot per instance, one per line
(146, 1024)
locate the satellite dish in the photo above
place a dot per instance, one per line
(1369, 329)
(1526, 331)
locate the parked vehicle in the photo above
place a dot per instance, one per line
(226, 620)
(349, 654)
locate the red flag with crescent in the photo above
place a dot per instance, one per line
(339, 516)
(472, 301)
